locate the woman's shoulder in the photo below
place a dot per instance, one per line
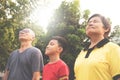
(113, 45)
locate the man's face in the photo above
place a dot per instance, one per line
(25, 34)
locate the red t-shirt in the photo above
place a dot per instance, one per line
(55, 70)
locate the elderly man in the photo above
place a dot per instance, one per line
(25, 63)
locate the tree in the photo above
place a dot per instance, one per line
(9, 16)
(65, 22)
(13, 17)
(115, 35)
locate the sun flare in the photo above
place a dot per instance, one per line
(41, 17)
(42, 13)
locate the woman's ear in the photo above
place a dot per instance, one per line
(106, 30)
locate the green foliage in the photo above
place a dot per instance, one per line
(65, 22)
(115, 35)
(13, 17)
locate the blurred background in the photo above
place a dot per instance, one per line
(46, 18)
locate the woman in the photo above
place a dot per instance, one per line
(100, 59)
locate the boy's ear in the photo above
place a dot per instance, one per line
(60, 49)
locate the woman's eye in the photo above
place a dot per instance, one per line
(95, 21)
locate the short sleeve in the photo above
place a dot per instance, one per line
(37, 61)
(63, 71)
(9, 60)
(114, 60)
(8, 64)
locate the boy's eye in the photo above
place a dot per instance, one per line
(51, 44)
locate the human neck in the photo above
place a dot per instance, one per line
(54, 58)
(24, 46)
(95, 40)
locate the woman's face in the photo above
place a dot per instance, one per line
(95, 27)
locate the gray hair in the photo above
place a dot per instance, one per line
(31, 32)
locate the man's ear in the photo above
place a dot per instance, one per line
(33, 38)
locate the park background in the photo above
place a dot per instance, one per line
(65, 19)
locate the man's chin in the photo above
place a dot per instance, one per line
(23, 39)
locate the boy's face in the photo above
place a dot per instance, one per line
(53, 48)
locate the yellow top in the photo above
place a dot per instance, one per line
(103, 63)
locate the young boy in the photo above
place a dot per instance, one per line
(56, 69)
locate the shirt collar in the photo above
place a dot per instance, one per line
(98, 45)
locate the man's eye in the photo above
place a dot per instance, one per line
(95, 21)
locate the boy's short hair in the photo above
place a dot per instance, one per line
(61, 41)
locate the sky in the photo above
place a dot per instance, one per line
(43, 13)
(108, 8)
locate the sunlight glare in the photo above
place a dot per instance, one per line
(42, 14)
(41, 17)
